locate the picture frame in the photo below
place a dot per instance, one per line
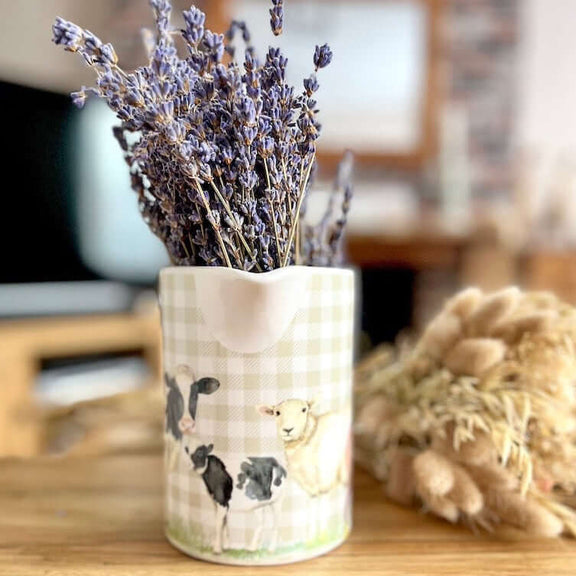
(388, 120)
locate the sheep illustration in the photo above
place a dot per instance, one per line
(317, 448)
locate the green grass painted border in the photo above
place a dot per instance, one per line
(195, 542)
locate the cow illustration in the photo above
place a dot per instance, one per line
(252, 484)
(183, 392)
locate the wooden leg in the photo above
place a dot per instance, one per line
(20, 427)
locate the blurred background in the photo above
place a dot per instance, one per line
(461, 117)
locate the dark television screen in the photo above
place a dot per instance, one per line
(69, 211)
(38, 235)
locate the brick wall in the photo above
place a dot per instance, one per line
(481, 38)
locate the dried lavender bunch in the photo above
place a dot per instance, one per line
(322, 243)
(220, 151)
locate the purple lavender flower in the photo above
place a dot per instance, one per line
(79, 98)
(90, 47)
(221, 152)
(214, 45)
(322, 243)
(322, 56)
(277, 17)
(238, 26)
(162, 10)
(311, 85)
(67, 34)
(194, 30)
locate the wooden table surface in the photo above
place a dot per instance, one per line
(103, 516)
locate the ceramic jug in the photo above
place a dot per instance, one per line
(258, 381)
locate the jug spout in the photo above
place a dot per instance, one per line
(249, 312)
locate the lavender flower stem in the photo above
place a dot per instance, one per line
(192, 248)
(285, 173)
(273, 212)
(297, 248)
(297, 212)
(231, 216)
(238, 255)
(275, 231)
(216, 230)
(183, 244)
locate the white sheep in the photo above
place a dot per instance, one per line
(317, 447)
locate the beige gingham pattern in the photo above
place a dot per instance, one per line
(312, 360)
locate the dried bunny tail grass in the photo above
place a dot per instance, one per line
(464, 303)
(466, 411)
(509, 436)
(511, 331)
(501, 410)
(474, 356)
(465, 494)
(492, 310)
(566, 514)
(548, 363)
(553, 458)
(524, 513)
(478, 451)
(443, 507)
(539, 300)
(380, 358)
(372, 414)
(419, 366)
(400, 485)
(376, 462)
(485, 426)
(493, 478)
(441, 335)
(433, 475)
(445, 487)
(527, 467)
(486, 520)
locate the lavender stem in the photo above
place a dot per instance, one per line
(297, 212)
(231, 216)
(215, 228)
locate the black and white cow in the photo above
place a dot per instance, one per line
(181, 407)
(252, 484)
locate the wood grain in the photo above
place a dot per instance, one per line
(103, 516)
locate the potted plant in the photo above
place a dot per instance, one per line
(257, 309)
